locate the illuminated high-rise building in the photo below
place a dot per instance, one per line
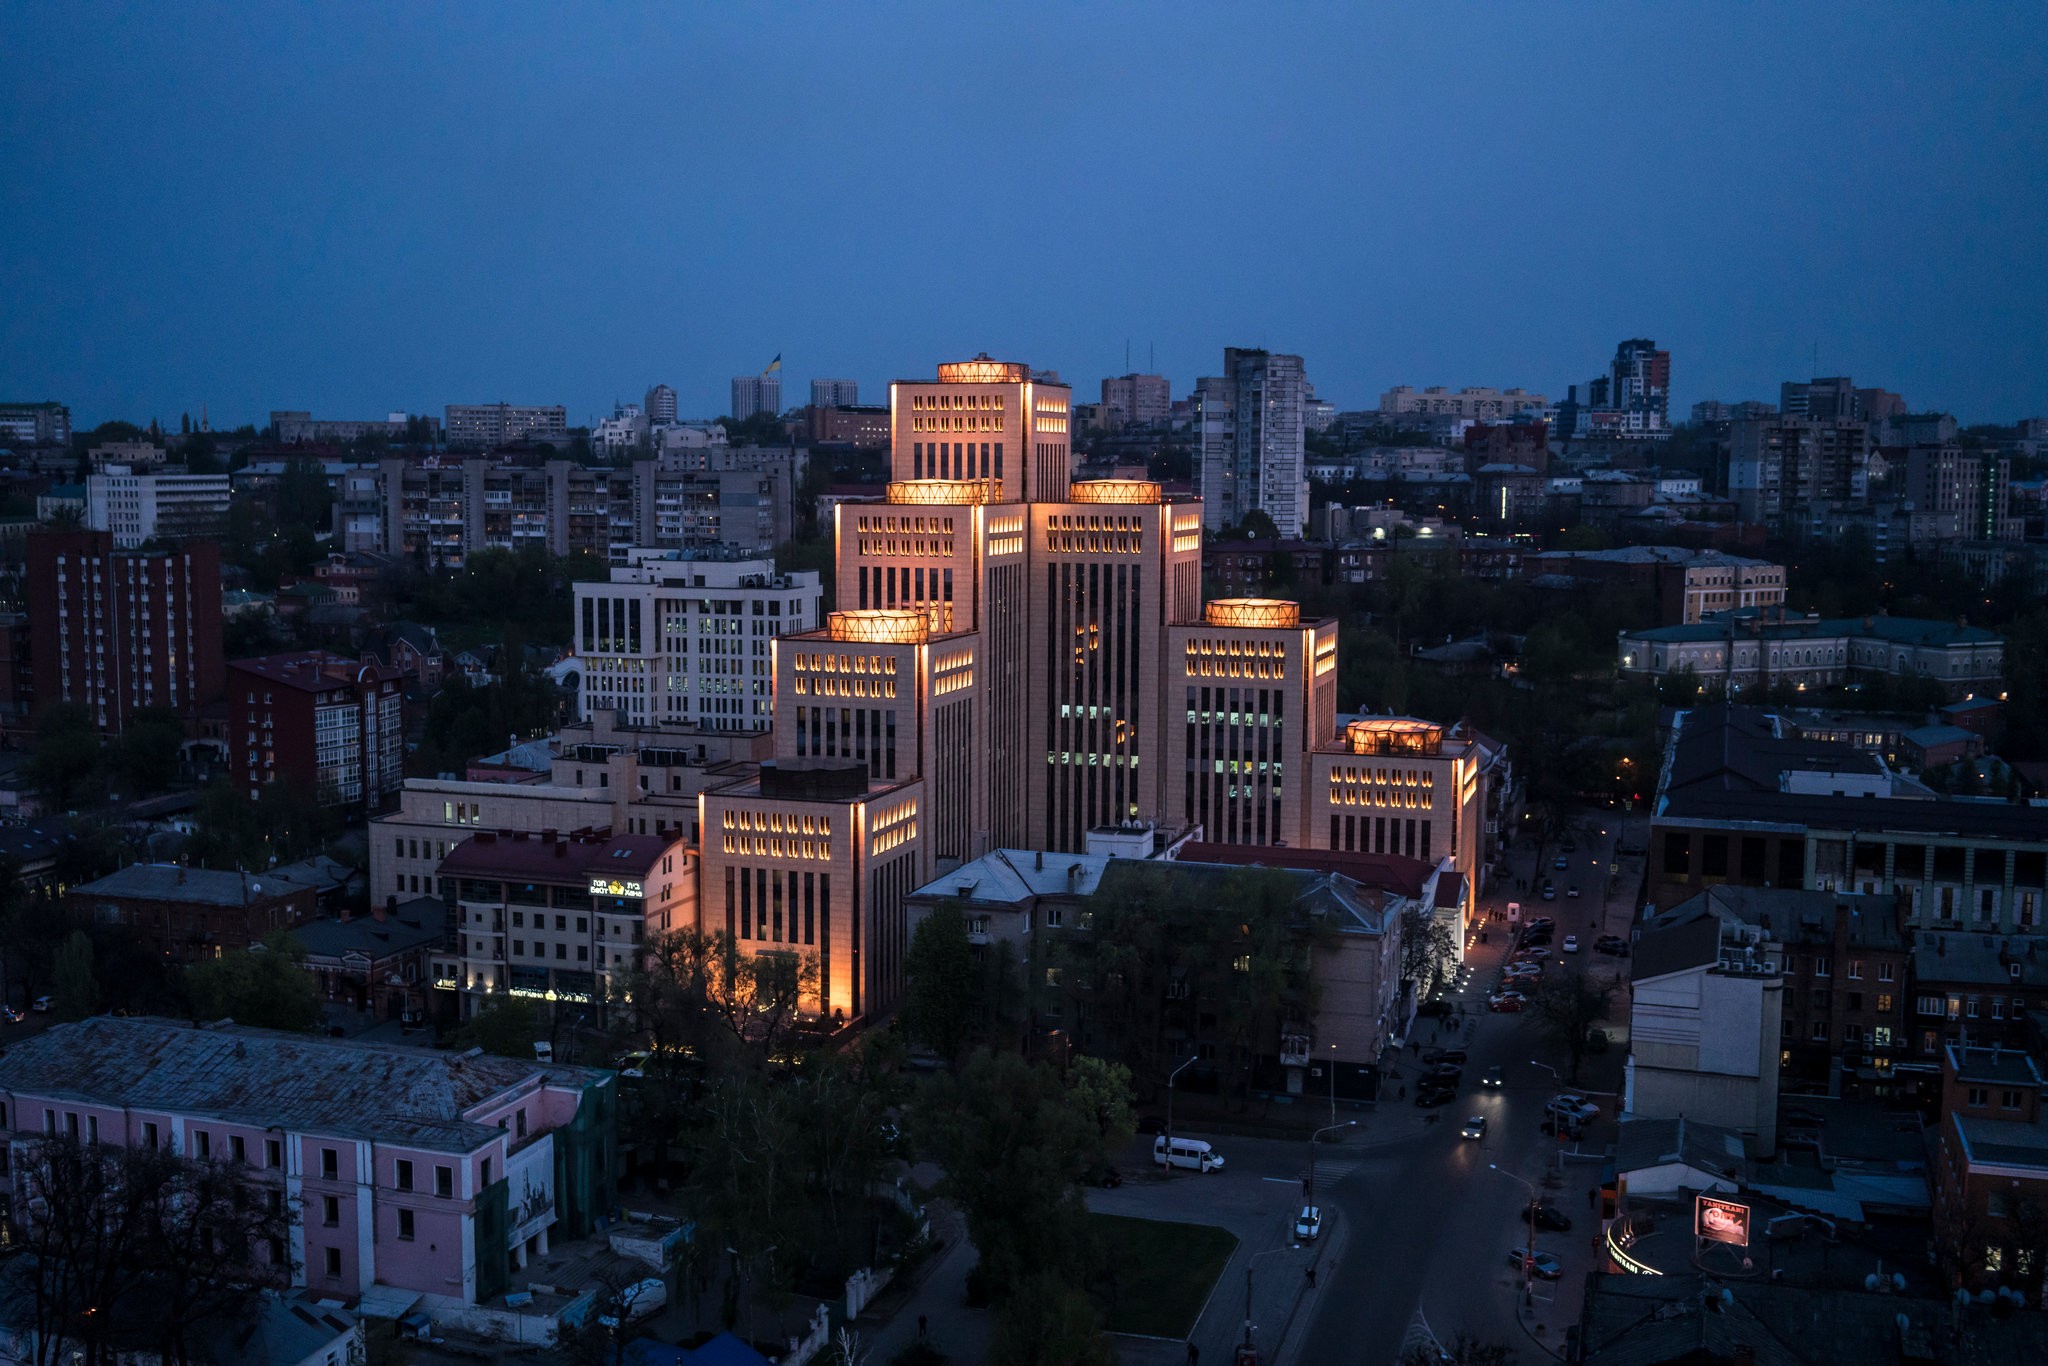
(1017, 659)
(1248, 420)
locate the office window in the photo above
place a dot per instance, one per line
(405, 1225)
(404, 1174)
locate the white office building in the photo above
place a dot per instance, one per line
(688, 639)
(138, 506)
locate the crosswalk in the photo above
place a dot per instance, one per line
(1419, 1343)
(1332, 1169)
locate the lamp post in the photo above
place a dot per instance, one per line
(1528, 1248)
(1315, 1138)
(1247, 1350)
(1170, 1077)
(1333, 1083)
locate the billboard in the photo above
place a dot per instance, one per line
(1721, 1221)
(530, 1193)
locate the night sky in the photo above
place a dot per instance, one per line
(359, 208)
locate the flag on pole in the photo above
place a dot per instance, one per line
(774, 365)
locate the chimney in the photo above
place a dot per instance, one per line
(385, 911)
(1041, 861)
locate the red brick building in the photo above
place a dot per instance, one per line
(118, 631)
(193, 915)
(1991, 1170)
(328, 726)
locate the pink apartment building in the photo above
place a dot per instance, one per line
(431, 1173)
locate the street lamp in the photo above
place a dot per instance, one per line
(1169, 1111)
(1249, 1262)
(1528, 1248)
(1315, 1138)
(1555, 1074)
(1333, 1083)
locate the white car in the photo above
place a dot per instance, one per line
(1579, 1098)
(1571, 943)
(1308, 1225)
(1563, 1108)
(1475, 1127)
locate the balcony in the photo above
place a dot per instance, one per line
(1295, 1050)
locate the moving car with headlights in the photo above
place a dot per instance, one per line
(1475, 1127)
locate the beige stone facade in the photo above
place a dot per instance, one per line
(1250, 692)
(812, 857)
(1393, 785)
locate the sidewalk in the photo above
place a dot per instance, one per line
(937, 1295)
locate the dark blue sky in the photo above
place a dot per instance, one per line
(356, 208)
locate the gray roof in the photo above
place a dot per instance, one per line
(2005, 1141)
(1978, 959)
(1012, 876)
(1693, 942)
(202, 886)
(303, 1084)
(1792, 915)
(1649, 1320)
(1647, 1143)
(418, 923)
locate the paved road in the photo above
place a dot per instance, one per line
(1430, 1223)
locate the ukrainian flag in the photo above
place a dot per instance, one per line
(774, 365)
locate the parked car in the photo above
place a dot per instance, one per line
(1532, 953)
(634, 1064)
(636, 1301)
(1596, 1041)
(1542, 922)
(1449, 1073)
(1579, 1098)
(1437, 1055)
(1548, 1216)
(1560, 863)
(1549, 893)
(1429, 1097)
(1571, 943)
(44, 1005)
(1572, 892)
(1611, 944)
(1566, 1110)
(1541, 1265)
(1506, 1002)
(1308, 1225)
(1475, 1127)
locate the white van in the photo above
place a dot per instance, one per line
(1191, 1153)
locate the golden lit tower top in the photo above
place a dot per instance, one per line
(984, 419)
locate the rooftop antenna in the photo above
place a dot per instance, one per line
(1127, 355)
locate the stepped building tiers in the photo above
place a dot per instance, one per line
(1017, 659)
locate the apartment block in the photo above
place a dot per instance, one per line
(1478, 403)
(559, 915)
(1690, 585)
(297, 427)
(660, 405)
(688, 639)
(485, 425)
(117, 631)
(1139, 400)
(399, 1167)
(35, 424)
(835, 393)
(753, 394)
(330, 727)
(1250, 427)
(1779, 468)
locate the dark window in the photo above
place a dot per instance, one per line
(1677, 854)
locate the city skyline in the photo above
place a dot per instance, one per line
(248, 210)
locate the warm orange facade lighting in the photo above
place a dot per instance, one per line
(1252, 612)
(942, 492)
(879, 626)
(1392, 735)
(1114, 491)
(982, 370)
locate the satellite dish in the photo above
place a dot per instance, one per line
(1870, 1281)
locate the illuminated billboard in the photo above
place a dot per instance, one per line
(1721, 1221)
